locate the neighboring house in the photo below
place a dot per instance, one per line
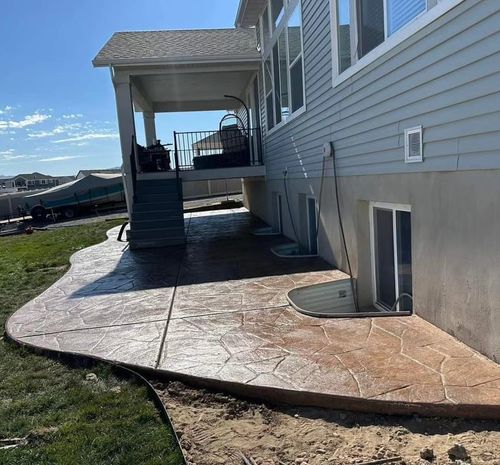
(405, 95)
(33, 181)
(6, 183)
(84, 173)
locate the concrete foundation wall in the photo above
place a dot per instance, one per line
(455, 240)
(198, 189)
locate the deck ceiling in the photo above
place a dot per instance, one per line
(190, 90)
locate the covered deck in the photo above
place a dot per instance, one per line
(180, 71)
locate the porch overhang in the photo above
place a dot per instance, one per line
(188, 70)
(193, 87)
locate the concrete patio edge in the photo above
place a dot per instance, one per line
(280, 396)
(275, 394)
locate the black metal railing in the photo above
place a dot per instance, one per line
(133, 166)
(223, 148)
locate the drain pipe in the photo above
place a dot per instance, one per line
(329, 152)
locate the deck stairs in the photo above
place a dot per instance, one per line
(157, 218)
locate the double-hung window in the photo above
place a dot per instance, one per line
(362, 26)
(280, 30)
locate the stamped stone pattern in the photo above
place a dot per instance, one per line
(217, 311)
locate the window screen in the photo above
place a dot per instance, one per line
(401, 12)
(297, 83)
(370, 25)
(344, 34)
(283, 75)
(277, 11)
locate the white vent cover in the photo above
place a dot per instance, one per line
(413, 145)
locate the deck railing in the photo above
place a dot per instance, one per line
(224, 148)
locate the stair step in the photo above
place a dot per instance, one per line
(166, 205)
(155, 215)
(154, 223)
(156, 187)
(156, 243)
(160, 233)
(156, 198)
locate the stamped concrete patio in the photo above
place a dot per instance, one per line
(216, 314)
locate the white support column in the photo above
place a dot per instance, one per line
(126, 125)
(149, 127)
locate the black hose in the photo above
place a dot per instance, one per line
(342, 234)
(80, 360)
(122, 230)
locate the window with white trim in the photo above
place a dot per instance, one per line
(283, 60)
(361, 26)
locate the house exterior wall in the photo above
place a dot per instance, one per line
(456, 257)
(445, 78)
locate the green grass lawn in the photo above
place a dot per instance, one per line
(67, 419)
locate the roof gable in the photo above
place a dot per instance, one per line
(149, 47)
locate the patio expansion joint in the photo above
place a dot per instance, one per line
(172, 300)
(232, 312)
(89, 328)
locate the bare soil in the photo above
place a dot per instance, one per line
(217, 428)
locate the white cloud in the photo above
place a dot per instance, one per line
(62, 158)
(73, 116)
(6, 109)
(7, 152)
(10, 156)
(89, 136)
(29, 120)
(62, 129)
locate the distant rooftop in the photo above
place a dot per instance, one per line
(150, 47)
(33, 176)
(84, 173)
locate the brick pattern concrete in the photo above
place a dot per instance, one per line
(217, 313)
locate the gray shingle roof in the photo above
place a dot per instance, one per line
(177, 46)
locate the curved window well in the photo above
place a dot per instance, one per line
(280, 32)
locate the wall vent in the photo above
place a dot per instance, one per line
(414, 145)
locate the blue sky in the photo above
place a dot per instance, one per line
(57, 113)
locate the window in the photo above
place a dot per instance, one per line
(296, 60)
(312, 226)
(363, 25)
(283, 64)
(268, 87)
(277, 12)
(371, 27)
(344, 34)
(401, 12)
(392, 256)
(283, 73)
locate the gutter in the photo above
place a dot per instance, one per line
(188, 60)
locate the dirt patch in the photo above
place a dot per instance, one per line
(216, 428)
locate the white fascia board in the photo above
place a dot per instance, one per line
(189, 60)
